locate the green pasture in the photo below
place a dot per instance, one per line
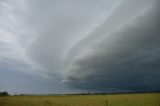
(152, 99)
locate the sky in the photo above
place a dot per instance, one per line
(68, 46)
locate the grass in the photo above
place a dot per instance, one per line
(152, 99)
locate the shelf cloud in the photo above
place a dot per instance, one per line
(105, 45)
(126, 58)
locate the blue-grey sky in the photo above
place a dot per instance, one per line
(64, 46)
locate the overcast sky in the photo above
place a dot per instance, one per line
(64, 46)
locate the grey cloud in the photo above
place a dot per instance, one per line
(126, 58)
(89, 44)
(12, 52)
(59, 26)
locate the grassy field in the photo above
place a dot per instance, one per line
(152, 99)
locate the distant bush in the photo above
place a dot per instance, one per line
(4, 93)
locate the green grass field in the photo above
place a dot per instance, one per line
(152, 99)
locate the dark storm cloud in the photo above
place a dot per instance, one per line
(35, 36)
(59, 26)
(86, 44)
(127, 58)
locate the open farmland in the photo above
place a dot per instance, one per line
(152, 99)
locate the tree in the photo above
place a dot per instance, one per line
(4, 93)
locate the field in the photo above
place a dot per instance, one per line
(152, 99)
